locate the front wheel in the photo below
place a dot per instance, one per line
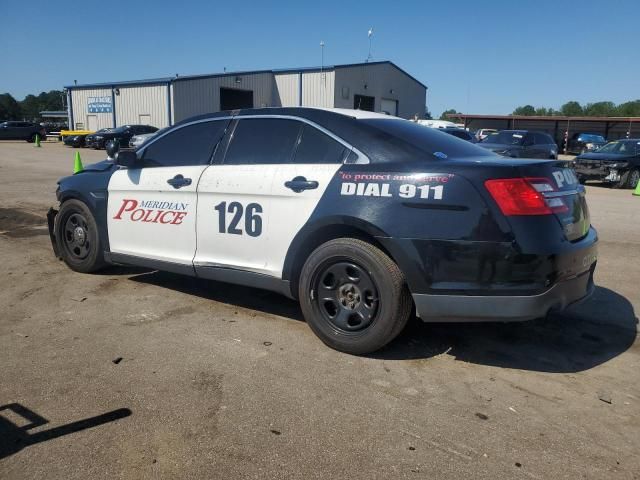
(353, 296)
(78, 238)
(633, 177)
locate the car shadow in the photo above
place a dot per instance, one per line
(577, 339)
(16, 421)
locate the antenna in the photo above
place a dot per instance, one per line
(369, 34)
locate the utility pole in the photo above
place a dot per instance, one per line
(369, 34)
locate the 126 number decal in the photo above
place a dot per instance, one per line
(252, 218)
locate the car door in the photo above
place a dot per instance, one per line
(235, 209)
(299, 185)
(152, 209)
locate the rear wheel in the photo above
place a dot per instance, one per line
(78, 238)
(353, 296)
(32, 138)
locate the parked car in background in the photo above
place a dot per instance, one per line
(22, 131)
(585, 142)
(521, 144)
(123, 134)
(617, 163)
(138, 140)
(437, 123)
(74, 140)
(460, 133)
(482, 133)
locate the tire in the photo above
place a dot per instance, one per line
(78, 239)
(367, 300)
(32, 138)
(632, 178)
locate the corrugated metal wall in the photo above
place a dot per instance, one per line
(197, 96)
(318, 89)
(134, 102)
(286, 90)
(382, 81)
(79, 100)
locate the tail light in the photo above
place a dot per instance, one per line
(525, 196)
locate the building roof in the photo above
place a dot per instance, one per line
(167, 80)
(558, 118)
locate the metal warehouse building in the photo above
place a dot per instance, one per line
(374, 86)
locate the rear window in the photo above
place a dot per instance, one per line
(430, 140)
(506, 137)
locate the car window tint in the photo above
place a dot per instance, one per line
(190, 145)
(540, 139)
(317, 147)
(425, 139)
(259, 141)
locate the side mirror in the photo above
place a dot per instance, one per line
(127, 158)
(112, 147)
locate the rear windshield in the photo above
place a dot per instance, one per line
(505, 138)
(430, 140)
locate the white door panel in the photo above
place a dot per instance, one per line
(149, 218)
(229, 244)
(289, 211)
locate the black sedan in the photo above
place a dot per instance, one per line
(362, 217)
(617, 163)
(521, 144)
(585, 142)
(122, 134)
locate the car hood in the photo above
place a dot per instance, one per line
(603, 156)
(102, 166)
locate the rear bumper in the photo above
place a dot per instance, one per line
(470, 308)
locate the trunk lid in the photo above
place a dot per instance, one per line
(563, 194)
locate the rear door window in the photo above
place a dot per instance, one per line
(189, 145)
(261, 141)
(317, 147)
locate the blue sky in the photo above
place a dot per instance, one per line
(479, 56)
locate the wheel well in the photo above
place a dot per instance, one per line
(317, 238)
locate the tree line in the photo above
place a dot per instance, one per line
(574, 109)
(29, 109)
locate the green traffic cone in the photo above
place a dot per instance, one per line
(637, 190)
(37, 140)
(77, 164)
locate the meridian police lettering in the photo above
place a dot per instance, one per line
(150, 211)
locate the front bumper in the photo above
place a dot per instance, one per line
(476, 308)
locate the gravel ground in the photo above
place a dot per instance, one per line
(139, 374)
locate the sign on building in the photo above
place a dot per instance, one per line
(99, 105)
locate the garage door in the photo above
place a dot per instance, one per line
(390, 107)
(232, 99)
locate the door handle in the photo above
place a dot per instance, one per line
(179, 181)
(299, 184)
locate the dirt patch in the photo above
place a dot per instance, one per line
(19, 224)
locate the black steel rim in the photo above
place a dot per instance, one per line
(76, 236)
(346, 296)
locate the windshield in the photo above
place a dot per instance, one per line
(621, 148)
(505, 138)
(590, 137)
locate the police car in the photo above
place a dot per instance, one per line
(361, 217)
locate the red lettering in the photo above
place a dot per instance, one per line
(177, 220)
(155, 219)
(146, 216)
(123, 208)
(133, 214)
(163, 216)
